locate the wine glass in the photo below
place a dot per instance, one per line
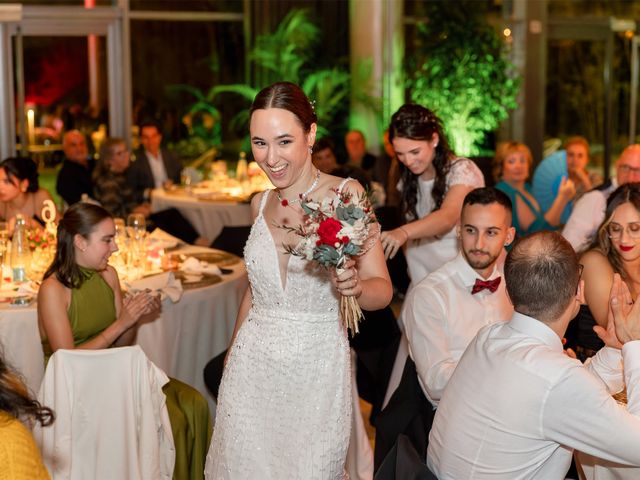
(136, 226)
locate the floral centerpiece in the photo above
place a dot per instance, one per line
(333, 231)
(40, 238)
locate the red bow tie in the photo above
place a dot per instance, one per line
(491, 285)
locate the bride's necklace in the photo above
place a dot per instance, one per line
(284, 202)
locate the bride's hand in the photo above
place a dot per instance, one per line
(346, 280)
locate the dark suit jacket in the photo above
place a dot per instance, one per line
(139, 173)
(73, 180)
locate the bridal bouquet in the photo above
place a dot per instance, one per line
(333, 231)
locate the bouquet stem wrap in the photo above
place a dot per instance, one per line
(350, 311)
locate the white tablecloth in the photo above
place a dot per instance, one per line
(208, 217)
(180, 341)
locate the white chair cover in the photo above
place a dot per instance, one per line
(111, 416)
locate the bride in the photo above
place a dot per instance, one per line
(284, 404)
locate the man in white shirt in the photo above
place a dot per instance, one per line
(446, 309)
(517, 405)
(588, 212)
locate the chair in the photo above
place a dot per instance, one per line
(404, 463)
(232, 239)
(408, 413)
(111, 416)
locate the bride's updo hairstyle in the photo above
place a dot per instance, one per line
(79, 219)
(287, 96)
(416, 122)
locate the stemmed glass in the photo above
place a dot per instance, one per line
(136, 226)
(4, 242)
(136, 229)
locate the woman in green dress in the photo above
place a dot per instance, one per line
(80, 305)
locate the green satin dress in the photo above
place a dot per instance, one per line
(91, 310)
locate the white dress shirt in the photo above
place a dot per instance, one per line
(586, 216)
(441, 317)
(158, 169)
(517, 406)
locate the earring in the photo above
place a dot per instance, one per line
(310, 149)
(84, 249)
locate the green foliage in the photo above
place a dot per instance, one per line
(202, 119)
(460, 70)
(287, 54)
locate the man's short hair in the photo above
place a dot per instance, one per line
(150, 122)
(542, 274)
(487, 196)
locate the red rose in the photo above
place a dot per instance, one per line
(284, 202)
(328, 230)
(345, 240)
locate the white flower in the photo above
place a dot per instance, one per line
(357, 232)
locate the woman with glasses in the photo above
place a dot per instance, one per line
(511, 169)
(115, 194)
(615, 250)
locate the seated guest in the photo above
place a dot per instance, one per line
(511, 169)
(615, 251)
(589, 211)
(324, 158)
(516, 406)
(74, 178)
(80, 305)
(19, 455)
(356, 147)
(20, 192)
(443, 313)
(577, 149)
(154, 167)
(393, 195)
(116, 195)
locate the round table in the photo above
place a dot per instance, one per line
(208, 217)
(181, 340)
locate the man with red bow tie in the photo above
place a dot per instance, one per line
(446, 309)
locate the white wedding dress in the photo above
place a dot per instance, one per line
(284, 408)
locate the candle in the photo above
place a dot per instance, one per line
(31, 127)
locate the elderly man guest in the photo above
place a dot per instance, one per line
(74, 178)
(517, 405)
(155, 167)
(446, 309)
(588, 212)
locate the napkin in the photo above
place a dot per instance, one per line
(165, 284)
(163, 239)
(13, 290)
(194, 266)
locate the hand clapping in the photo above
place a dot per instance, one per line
(139, 304)
(623, 320)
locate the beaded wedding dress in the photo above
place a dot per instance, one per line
(284, 408)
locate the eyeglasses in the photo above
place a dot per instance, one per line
(615, 230)
(628, 169)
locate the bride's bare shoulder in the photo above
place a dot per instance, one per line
(333, 183)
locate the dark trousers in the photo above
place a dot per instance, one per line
(172, 222)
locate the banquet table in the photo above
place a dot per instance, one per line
(181, 340)
(206, 215)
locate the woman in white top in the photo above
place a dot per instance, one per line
(433, 184)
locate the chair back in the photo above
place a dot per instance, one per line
(111, 416)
